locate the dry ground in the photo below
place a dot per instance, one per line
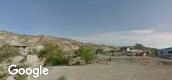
(123, 68)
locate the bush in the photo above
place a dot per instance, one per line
(112, 51)
(3, 76)
(139, 46)
(88, 53)
(34, 52)
(99, 51)
(52, 54)
(7, 51)
(20, 77)
(62, 78)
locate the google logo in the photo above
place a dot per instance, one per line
(36, 72)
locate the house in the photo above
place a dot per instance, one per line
(134, 52)
(166, 52)
(130, 49)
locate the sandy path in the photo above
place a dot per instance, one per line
(112, 71)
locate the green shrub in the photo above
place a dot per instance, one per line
(88, 53)
(3, 76)
(112, 51)
(62, 78)
(52, 54)
(34, 52)
(99, 51)
(139, 46)
(7, 51)
(20, 77)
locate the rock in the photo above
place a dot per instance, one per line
(33, 60)
(77, 61)
(17, 59)
(10, 78)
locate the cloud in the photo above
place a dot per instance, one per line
(149, 37)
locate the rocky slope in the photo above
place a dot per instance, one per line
(35, 40)
(38, 40)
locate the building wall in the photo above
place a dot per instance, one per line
(165, 52)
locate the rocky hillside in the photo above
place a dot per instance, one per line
(37, 41)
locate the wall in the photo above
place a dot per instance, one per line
(167, 52)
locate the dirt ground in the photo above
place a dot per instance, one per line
(118, 69)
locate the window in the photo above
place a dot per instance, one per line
(170, 52)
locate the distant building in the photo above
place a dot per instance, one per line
(23, 49)
(124, 48)
(166, 52)
(134, 52)
(129, 49)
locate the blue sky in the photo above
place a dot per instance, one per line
(87, 20)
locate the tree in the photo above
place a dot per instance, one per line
(139, 46)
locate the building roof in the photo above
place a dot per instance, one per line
(17, 43)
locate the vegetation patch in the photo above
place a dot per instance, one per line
(52, 54)
(3, 75)
(62, 78)
(88, 53)
(20, 77)
(7, 51)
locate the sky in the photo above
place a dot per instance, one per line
(112, 22)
